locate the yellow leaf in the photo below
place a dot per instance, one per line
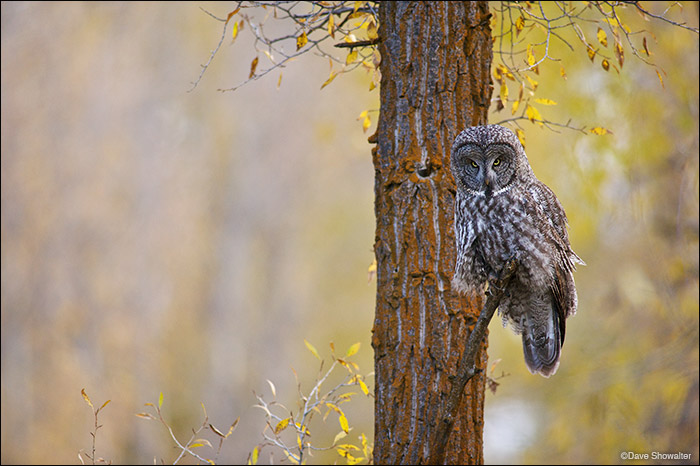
(254, 456)
(533, 83)
(352, 56)
(253, 65)
(160, 400)
(600, 131)
(372, 31)
(312, 349)
(279, 81)
(516, 104)
(519, 24)
(103, 405)
(330, 79)
(144, 415)
(347, 447)
(521, 136)
(331, 28)
(562, 71)
(602, 37)
(281, 425)
(530, 56)
(533, 115)
(352, 350)
(269, 55)
(363, 386)
(87, 398)
(366, 123)
(605, 64)
(303, 429)
(545, 101)
(372, 270)
(233, 427)
(506, 72)
(364, 444)
(591, 53)
(619, 53)
(200, 442)
(234, 34)
(344, 423)
(661, 80)
(504, 93)
(334, 407)
(302, 40)
(498, 74)
(357, 5)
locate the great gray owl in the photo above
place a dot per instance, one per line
(501, 211)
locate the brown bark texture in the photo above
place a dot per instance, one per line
(436, 58)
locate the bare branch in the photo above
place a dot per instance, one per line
(662, 18)
(467, 365)
(358, 43)
(213, 53)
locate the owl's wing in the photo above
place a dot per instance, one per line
(552, 210)
(563, 286)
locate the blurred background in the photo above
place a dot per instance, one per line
(155, 240)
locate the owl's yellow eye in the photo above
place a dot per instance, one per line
(473, 163)
(496, 162)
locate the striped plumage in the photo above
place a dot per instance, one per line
(502, 210)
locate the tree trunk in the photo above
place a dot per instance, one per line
(436, 58)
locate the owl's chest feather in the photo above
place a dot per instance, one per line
(504, 227)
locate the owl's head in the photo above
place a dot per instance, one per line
(487, 160)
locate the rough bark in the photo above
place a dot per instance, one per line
(436, 58)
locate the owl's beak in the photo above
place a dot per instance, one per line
(486, 181)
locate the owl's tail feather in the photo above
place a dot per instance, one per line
(542, 345)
